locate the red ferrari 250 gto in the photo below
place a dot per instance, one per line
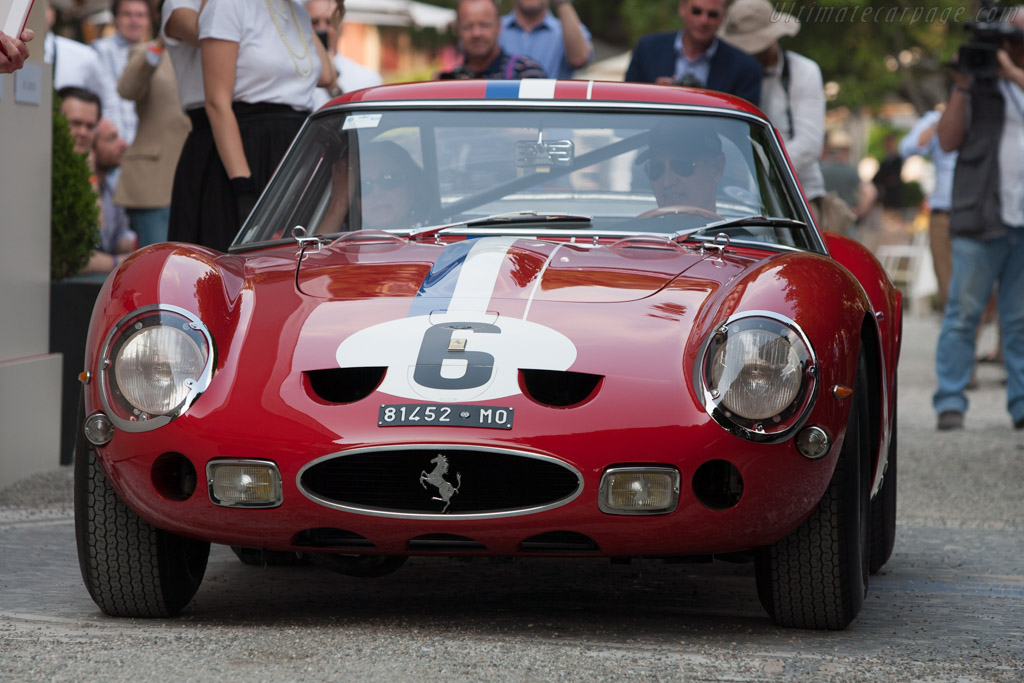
(537, 318)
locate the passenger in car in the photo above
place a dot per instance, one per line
(391, 190)
(392, 187)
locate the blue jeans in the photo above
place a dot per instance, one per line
(977, 267)
(150, 224)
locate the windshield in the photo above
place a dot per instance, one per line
(620, 172)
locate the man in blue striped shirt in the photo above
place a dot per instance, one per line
(549, 32)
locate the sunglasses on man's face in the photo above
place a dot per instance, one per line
(385, 182)
(655, 168)
(712, 13)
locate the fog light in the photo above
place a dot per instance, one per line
(99, 430)
(813, 442)
(639, 491)
(244, 483)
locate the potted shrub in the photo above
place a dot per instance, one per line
(74, 216)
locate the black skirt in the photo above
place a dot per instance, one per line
(203, 206)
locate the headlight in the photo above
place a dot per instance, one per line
(156, 362)
(757, 376)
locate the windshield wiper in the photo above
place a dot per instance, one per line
(747, 221)
(511, 218)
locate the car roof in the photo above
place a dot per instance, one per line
(549, 89)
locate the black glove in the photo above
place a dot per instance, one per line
(246, 195)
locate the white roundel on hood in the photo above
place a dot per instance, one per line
(456, 357)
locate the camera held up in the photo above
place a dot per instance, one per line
(977, 56)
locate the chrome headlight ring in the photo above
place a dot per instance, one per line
(155, 362)
(757, 376)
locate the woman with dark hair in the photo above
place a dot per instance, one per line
(391, 185)
(260, 65)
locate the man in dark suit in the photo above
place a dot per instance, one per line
(695, 56)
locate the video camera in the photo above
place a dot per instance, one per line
(978, 56)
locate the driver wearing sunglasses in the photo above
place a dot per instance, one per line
(684, 164)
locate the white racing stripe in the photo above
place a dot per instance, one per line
(479, 274)
(537, 89)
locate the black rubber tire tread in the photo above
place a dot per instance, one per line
(130, 567)
(883, 510)
(816, 577)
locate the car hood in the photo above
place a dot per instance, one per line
(458, 322)
(473, 272)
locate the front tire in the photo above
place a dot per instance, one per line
(131, 568)
(817, 576)
(883, 509)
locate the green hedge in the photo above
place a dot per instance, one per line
(74, 214)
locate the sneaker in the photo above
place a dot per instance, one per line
(952, 419)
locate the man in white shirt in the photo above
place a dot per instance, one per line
(131, 24)
(351, 74)
(73, 63)
(792, 93)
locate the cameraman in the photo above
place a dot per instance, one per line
(984, 121)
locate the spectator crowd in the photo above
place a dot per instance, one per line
(184, 110)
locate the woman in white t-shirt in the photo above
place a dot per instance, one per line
(260, 65)
(179, 23)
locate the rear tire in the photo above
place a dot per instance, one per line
(883, 509)
(817, 576)
(131, 568)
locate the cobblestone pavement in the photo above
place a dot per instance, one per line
(948, 606)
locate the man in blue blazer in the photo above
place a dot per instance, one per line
(696, 56)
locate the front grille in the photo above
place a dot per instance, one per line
(433, 480)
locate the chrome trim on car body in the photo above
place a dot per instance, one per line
(105, 364)
(611, 471)
(711, 403)
(276, 503)
(454, 516)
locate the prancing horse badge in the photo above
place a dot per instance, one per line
(435, 477)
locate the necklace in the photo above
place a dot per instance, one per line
(306, 56)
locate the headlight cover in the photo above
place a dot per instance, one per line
(757, 376)
(156, 362)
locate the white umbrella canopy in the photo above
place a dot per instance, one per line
(398, 13)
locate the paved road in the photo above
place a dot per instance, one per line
(948, 606)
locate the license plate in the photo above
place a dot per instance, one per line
(443, 415)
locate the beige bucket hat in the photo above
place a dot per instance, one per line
(753, 25)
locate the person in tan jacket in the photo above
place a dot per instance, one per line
(147, 172)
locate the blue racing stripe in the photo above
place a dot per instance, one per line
(501, 89)
(438, 287)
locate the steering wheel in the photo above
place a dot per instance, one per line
(675, 209)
